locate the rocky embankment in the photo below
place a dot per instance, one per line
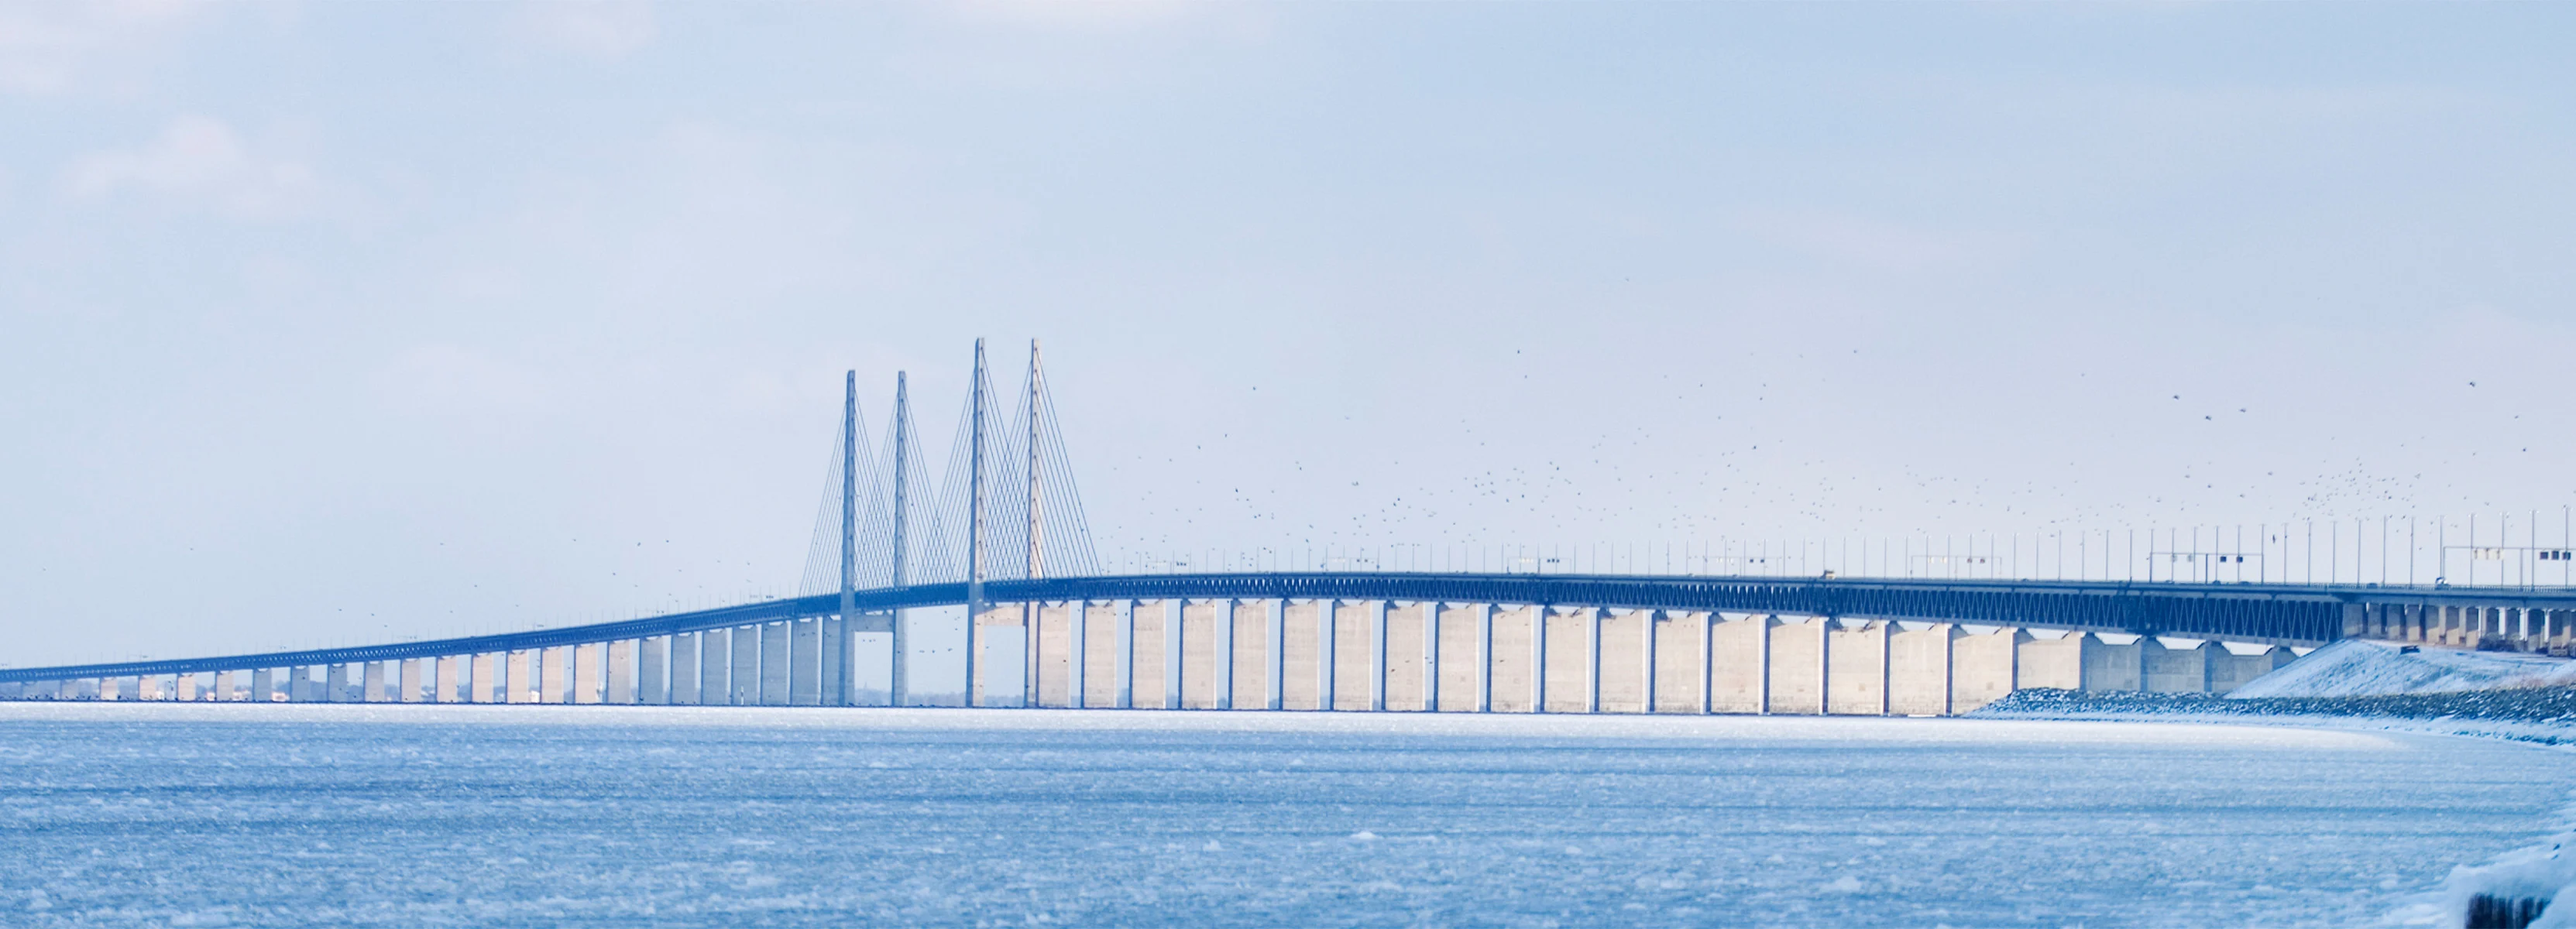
(2543, 714)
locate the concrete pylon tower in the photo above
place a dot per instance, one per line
(840, 685)
(1029, 612)
(975, 518)
(902, 526)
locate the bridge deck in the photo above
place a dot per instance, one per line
(2283, 614)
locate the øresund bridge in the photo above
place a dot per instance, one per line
(1002, 535)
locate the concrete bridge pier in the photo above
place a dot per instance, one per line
(1565, 660)
(799, 674)
(653, 670)
(516, 682)
(2168, 667)
(1246, 649)
(617, 676)
(1404, 645)
(770, 675)
(1857, 667)
(1797, 670)
(1922, 668)
(685, 668)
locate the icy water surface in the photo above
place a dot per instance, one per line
(613, 816)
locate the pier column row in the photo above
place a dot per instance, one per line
(1403, 656)
(1424, 656)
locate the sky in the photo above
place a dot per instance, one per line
(329, 324)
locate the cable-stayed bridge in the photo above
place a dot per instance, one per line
(1001, 533)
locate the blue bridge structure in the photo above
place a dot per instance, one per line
(1002, 536)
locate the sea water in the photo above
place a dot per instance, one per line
(298, 815)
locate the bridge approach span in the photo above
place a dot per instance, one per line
(2280, 614)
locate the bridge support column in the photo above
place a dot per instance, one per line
(742, 666)
(589, 676)
(804, 678)
(1985, 667)
(1921, 667)
(554, 675)
(1247, 682)
(1376, 612)
(1593, 619)
(1739, 653)
(617, 680)
(1566, 656)
(1857, 667)
(513, 683)
(1431, 657)
(544, 675)
(1147, 622)
(1735, 662)
(1124, 680)
(1102, 653)
(653, 670)
(2229, 669)
(259, 689)
(833, 673)
(1202, 661)
(1345, 657)
(685, 668)
(223, 687)
(1620, 679)
(2054, 663)
(1305, 630)
(1077, 664)
(1275, 683)
(1221, 654)
(335, 684)
(1484, 658)
(777, 662)
(1798, 667)
(698, 666)
(1459, 680)
(1405, 642)
(2174, 669)
(1273, 654)
(1646, 664)
(1176, 636)
(1510, 649)
(2110, 666)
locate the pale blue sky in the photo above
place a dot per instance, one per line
(335, 323)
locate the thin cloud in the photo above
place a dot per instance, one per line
(592, 28)
(202, 159)
(52, 48)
